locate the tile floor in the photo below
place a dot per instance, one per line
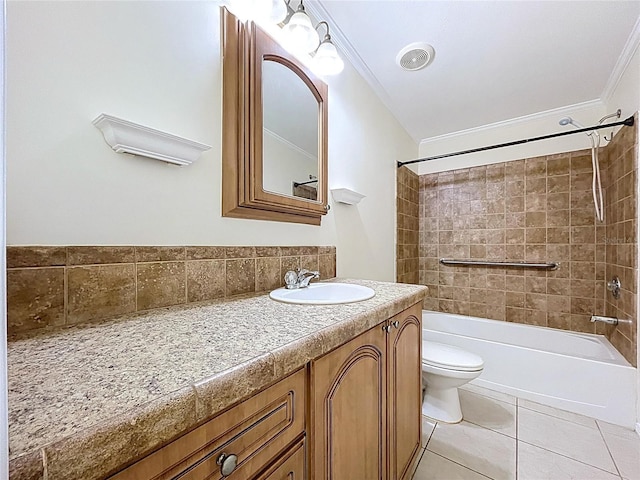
(506, 438)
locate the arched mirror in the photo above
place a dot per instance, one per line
(289, 133)
(274, 131)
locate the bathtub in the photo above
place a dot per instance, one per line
(578, 372)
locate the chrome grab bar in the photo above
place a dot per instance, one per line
(485, 263)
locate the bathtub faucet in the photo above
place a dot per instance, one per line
(609, 320)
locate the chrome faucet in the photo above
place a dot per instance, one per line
(609, 320)
(300, 278)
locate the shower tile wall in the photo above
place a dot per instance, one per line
(620, 181)
(407, 261)
(537, 210)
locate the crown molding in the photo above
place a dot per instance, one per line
(319, 12)
(515, 121)
(623, 62)
(291, 145)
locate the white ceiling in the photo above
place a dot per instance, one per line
(494, 61)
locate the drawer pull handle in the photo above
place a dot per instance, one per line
(386, 328)
(396, 324)
(227, 463)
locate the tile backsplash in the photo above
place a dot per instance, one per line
(50, 286)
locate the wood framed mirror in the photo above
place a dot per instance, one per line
(274, 141)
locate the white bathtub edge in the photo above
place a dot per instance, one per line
(603, 388)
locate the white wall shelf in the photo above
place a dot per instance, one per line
(346, 195)
(128, 137)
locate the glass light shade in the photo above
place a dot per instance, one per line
(326, 60)
(262, 11)
(275, 11)
(300, 33)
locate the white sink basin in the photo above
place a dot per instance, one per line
(324, 294)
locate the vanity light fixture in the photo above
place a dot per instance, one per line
(299, 31)
(262, 11)
(326, 60)
(276, 10)
(296, 32)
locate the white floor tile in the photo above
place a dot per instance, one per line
(537, 464)
(503, 397)
(435, 467)
(576, 441)
(556, 412)
(427, 429)
(477, 448)
(612, 429)
(626, 454)
(488, 412)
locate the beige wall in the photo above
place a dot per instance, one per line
(158, 64)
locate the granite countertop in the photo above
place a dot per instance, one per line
(86, 399)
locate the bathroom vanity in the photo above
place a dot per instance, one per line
(244, 388)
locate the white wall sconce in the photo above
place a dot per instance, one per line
(128, 137)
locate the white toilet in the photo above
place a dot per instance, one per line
(444, 369)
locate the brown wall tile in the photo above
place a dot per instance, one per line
(268, 274)
(36, 256)
(160, 254)
(327, 250)
(204, 253)
(288, 264)
(310, 262)
(240, 252)
(91, 255)
(160, 284)
(241, 276)
(35, 298)
(206, 280)
(409, 209)
(267, 251)
(327, 266)
(100, 291)
(298, 251)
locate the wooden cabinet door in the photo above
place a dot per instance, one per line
(404, 360)
(349, 416)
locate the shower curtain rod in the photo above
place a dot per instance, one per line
(628, 122)
(297, 184)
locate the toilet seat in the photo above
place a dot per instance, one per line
(450, 358)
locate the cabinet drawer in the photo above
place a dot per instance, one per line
(256, 431)
(290, 466)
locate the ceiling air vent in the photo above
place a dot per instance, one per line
(415, 56)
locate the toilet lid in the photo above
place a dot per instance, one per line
(447, 356)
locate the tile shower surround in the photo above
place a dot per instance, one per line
(51, 286)
(538, 209)
(407, 205)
